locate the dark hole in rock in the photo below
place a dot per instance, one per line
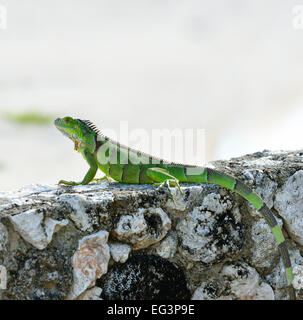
(144, 277)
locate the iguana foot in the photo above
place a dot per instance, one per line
(166, 184)
(103, 178)
(69, 183)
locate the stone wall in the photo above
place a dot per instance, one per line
(115, 241)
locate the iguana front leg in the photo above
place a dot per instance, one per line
(93, 167)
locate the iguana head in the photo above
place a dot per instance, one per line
(81, 132)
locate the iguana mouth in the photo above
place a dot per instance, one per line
(58, 126)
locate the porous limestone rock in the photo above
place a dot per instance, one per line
(56, 241)
(91, 294)
(3, 237)
(143, 228)
(298, 277)
(89, 262)
(264, 250)
(263, 185)
(35, 228)
(119, 251)
(277, 281)
(212, 231)
(168, 246)
(84, 204)
(237, 281)
(289, 204)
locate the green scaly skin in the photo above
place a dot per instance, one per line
(127, 165)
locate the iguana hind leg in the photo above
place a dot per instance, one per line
(162, 177)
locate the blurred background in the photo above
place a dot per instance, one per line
(231, 67)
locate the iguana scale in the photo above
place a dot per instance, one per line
(127, 165)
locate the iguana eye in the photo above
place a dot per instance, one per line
(67, 119)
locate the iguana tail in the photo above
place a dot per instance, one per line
(212, 176)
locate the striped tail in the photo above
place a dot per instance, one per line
(229, 182)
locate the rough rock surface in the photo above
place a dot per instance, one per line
(89, 262)
(88, 242)
(238, 281)
(289, 204)
(212, 231)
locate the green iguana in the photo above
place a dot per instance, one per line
(127, 165)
